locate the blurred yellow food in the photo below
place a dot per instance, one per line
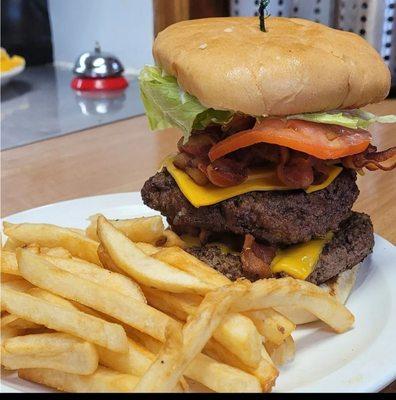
(8, 63)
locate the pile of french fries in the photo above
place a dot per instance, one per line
(121, 307)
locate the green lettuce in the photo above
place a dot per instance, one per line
(353, 119)
(167, 105)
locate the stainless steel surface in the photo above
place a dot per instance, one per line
(39, 104)
(98, 64)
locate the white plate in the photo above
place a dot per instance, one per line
(361, 360)
(5, 77)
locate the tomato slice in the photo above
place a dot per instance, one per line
(327, 142)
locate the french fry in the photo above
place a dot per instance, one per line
(19, 284)
(270, 293)
(282, 353)
(177, 305)
(272, 325)
(8, 277)
(14, 321)
(266, 372)
(144, 269)
(236, 332)
(182, 346)
(172, 239)
(220, 377)
(146, 229)
(104, 299)
(57, 351)
(103, 380)
(217, 376)
(33, 247)
(9, 263)
(45, 344)
(239, 334)
(52, 298)
(99, 275)
(9, 332)
(135, 362)
(11, 245)
(184, 261)
(69, 304)
(59, 318)
(107, 262)
(46, 235)
(55, 252)
(148, 248)
(147, 341)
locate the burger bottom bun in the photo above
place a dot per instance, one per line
(339, 287)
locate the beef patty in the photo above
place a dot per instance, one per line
(277, 217)
(349, 246)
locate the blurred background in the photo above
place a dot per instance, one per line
(68, 65)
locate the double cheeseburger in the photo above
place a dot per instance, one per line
(264, 178)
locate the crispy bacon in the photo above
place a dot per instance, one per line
(226, 172)
(295, 170)
(256, 258)
(198, 145)
(372, 159)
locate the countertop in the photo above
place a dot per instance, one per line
(119, 157)
(39, 104)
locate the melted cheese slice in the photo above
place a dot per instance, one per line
(299, 260)
(259, 180)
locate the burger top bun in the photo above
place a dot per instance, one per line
(296, 66)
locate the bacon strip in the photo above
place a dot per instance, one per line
(256, 258)
(295, 170)
(372, 159)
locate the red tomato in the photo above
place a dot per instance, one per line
(327, 142)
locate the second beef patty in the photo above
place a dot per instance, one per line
(349, 246)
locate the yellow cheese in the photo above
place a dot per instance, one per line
(259, 180)
(299, 260)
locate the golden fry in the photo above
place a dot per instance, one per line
(99, 275)
(103, 380)
(9, 263)
(282, 353)
(144, 269)
(184, 261)
(104, 299)
(182, 346)
(59, 318)
(270, 293)
(146, 229)
(272, 325)
(46, 235)
(58, 351)
(266, 372)
(236, 332)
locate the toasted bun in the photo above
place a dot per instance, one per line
(339, 287)
(297, 66)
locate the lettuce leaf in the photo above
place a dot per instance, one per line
(353, 119)
(167, 105)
